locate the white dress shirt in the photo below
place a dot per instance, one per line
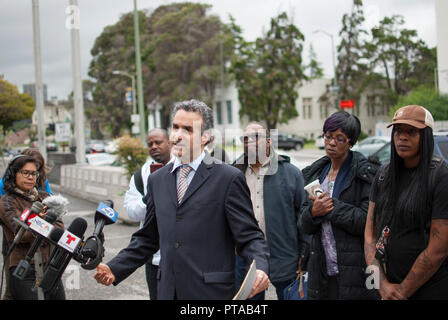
(134, 205)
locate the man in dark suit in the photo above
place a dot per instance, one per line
(198, 212)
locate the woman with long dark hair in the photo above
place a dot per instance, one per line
(406, 234)
(20, 183)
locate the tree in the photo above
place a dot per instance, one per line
(314, 69)
(14, 105)
(114, 50)
(268, 72)
(427, 97)
(185, 57)
(180, 52)
(351, 68)
(400, 61)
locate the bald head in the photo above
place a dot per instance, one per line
(159, 147)
(158, 131)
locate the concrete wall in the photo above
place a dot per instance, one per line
(96, 183)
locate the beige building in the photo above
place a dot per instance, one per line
(442, 44)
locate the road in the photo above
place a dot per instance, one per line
(80, 284)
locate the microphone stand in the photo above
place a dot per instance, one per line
(39, 269)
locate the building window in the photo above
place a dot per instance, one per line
(229, 112)
(218, 112)
(323, 111)
(307, 108)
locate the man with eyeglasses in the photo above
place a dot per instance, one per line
(336, 218)
(277, 192)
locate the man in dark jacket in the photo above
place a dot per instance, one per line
(277, 192)
(336, 219)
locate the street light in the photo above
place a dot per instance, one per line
(332, 51)
(134, 106)
(334, 87)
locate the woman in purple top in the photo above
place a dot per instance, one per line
(336, 218)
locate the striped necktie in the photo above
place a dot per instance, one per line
(183, 183)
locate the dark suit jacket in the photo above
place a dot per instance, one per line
(198, 237)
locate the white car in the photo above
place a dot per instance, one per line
(370, 145)
(101, 159)
(319, 143)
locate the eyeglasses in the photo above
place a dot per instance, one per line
(338, 139)
(410, 132)
(27, 174)
(252, 137)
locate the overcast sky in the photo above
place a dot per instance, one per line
(16, 34)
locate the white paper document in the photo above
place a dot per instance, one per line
(246, 286)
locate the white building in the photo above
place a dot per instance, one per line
(53, 114)
(442, 44)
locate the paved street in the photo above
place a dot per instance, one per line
(80, 284)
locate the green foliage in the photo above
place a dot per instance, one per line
(131, 153)
(185, 57)
(314, 68)
(180, 52)
(14, 105)
(427, 97)
(268, 72)
(351, 69)
(399, 60)
(113, 50)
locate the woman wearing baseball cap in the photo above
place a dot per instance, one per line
(406, 233)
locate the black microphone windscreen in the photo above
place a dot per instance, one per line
(56, 234)
(109, 203)
(51, 217)
(78, 227)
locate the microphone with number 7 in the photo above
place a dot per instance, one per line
(93, 248)
(67, 242)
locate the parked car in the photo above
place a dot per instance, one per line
(370, 145)
(319, 143)
(289, 141)
(440, 149)
(51, 146)
(95, 146)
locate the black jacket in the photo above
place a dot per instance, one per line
(348, 220)
(283, 196)
(198, 237)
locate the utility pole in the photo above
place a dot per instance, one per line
(38, 83)
(138, 64)
(77, 85)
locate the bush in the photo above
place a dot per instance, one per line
(131, 153)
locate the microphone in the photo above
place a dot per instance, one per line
(56, 204)
(93, 247)
(56, 207)
(41, 228)
(67, 242)
(35, 209)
